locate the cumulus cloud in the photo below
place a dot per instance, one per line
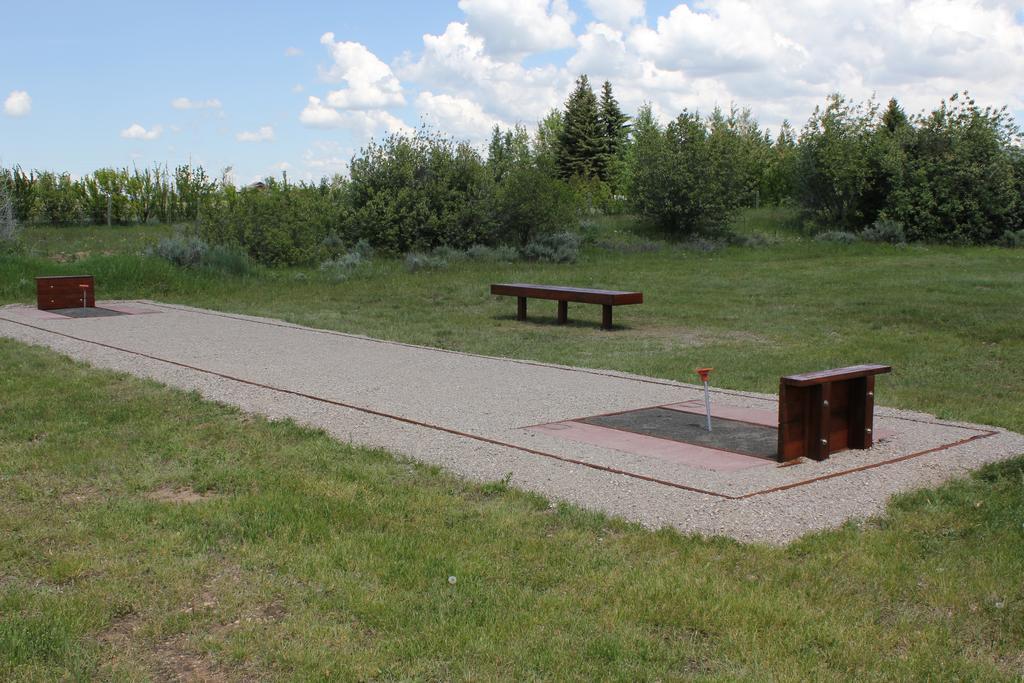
(292, 52)
(783, 59)
(264, 134)
(371, 83)
(138, 132)
(186, 103)
(779, 59)
(515, 28)
(458, 62)
(617, 13)
(363, 124)
(456, 116)
(18, 103)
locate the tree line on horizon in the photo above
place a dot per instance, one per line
(953, 175)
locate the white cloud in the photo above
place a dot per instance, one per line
(457, 116)
(371, 83)
(458, 62)
(514, 28)
(292, 52)
(324, 158)
(137, 132)
(363, 124)
(603, 55)
(617, 13)
(186, 103)
(264, 134)
(18, 103)
(779, 59)
(297, 88)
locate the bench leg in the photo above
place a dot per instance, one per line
(606, 317)
(563, 312)
(521, 309)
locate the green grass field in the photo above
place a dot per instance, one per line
(147, 532)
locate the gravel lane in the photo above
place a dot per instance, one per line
(468, 413)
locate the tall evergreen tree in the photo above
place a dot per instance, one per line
(614, 131)
(894, 117)
(581, 143)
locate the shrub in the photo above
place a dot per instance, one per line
(559, 247)
(415, 261)
(448, 254)
(343, 267)
(230, 260)
(277, 225)
(1012, 238)
(884, 230)
(502, 254)
(419, 192)
(186, 252)
(686, 177)
(9, 228)
(837, 236)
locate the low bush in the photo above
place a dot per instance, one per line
(558, 247)
(416, 261)
(192, 252)
(230, 260)
(186, 252)
(1012, 238)
(502, 254)
(837, 236)
(341, 268)
(882, 230)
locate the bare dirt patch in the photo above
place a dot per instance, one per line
(81, 495)
(179, 495)
(173, 661)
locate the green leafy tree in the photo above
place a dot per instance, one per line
(679, 176)
(959, 183)
(834, 167)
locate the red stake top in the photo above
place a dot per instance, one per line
(703, 372)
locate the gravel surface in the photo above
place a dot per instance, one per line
(468, 413)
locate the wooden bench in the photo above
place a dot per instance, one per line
(65, 291)
(821, 413)
(563, 295)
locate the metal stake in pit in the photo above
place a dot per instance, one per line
(85, 295)
(704, 372)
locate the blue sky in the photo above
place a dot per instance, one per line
(260, 87)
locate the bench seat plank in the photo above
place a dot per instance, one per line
(607, 297)
(839, 374)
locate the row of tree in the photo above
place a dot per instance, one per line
(955, 175)
(109, 196)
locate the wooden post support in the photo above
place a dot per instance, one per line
(521, 309)
(606, 317)
(821, 413)
(563, 312)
